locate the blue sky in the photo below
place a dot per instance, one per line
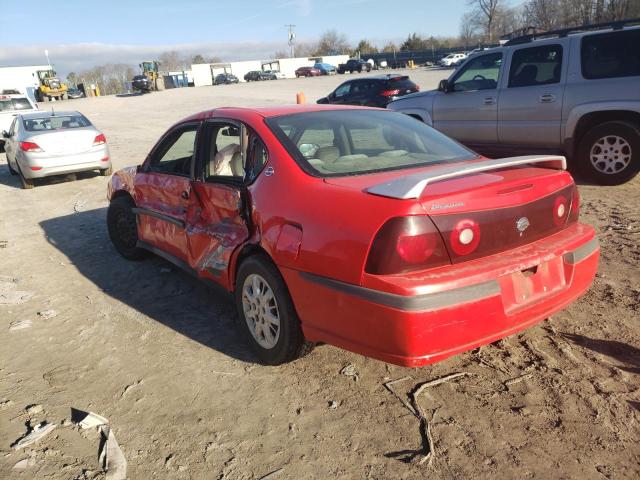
(77, 35)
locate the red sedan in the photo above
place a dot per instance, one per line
(357, 227)
(308, 72)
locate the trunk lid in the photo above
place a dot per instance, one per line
(65, 142)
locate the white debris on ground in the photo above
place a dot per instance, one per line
(32, 436)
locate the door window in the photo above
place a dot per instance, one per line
(611, 55)
(12, 130)
(536, 66)
(481, 73)
(343, 90)
(176, 153)
(226, 152)
(258, 159)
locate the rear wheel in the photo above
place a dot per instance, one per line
(266, 313)
(27, 183)
(123, 228)
(106, 172)
(609, 153)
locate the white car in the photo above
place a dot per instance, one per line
(10, 106)
(47, 143)
(279, 75)
(453, 59)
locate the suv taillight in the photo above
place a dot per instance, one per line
(406, 244)
(390, 93)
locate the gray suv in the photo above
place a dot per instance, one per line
(576, 93)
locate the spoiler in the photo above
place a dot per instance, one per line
(411, 186)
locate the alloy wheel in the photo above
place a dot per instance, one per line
(261, 311)
(610, 154)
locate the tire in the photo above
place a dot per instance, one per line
(27, 183)
(285, 341)
(123, 228)
(106, 172)
(11, 170)
(617, 139)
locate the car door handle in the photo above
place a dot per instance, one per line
(547, 98)
(185, 195)
(489, 100)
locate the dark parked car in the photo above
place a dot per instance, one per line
(74, 93)
(256, 75)
(354, 65)
(225, 79)
(325, 68)
(141, 83)
(372, 91)
(308, 72)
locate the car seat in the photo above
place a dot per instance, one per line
(328, 154)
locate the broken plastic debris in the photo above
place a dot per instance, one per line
(34, 435)
(22, 464)
(111, 457)
(333, 404)
(48, 314)
(350, 371)
(87, 419)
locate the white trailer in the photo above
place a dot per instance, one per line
(23, 79)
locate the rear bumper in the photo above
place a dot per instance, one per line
(92, 160)
(450, 312)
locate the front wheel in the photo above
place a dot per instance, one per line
(123, 228)
(266, 313)
(609, 154)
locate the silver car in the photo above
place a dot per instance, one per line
(47, 143)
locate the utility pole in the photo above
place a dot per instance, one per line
(292, 39)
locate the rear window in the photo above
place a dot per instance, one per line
(351, 142)
(611, 55)
(12, 104)
(399, 83)
(61, 122)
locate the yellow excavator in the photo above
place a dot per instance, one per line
(150, 70)
(50, 87)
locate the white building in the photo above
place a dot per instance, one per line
(23, 79)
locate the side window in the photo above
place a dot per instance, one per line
(226, 156)
(258, 158)
(175, 154)
(536, 66)
(343, 90)
(12, 130)
(611, 55)
(481, 73)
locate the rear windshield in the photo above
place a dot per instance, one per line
(351, 142)
(61, 122)
(11, 104)
(611, 55)
(399, 83)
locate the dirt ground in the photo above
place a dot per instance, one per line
(156, 352)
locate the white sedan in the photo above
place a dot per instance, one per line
(47, 143)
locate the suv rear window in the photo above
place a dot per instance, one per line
(610, 55)
(11, 104)
(536, 66)
(399, 83)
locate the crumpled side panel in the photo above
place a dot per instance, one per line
(122, 180)
(215, 228)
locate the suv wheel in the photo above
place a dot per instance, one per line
(609, 154)
(266, 313)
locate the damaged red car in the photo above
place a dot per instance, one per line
(357, 227)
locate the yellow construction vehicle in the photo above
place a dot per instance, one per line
(150, 70)
(50, 87)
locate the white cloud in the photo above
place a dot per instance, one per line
(82, 56)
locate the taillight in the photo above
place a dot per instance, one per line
(560, 210)
(465, 237)
(99, 140)
(406, 244)
(575, 205)
(417, 88)
(390, 93)
(30, 147)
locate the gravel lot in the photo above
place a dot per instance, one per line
(156, 352)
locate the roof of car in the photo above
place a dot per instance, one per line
(268, 112)
(48, 113)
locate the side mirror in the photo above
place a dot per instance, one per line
(5, 134)
(444, 86)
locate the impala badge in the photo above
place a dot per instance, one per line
(522, 224)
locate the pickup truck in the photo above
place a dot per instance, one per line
(354, 65)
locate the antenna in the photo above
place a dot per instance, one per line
(292, 39)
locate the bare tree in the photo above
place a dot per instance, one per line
(468, 29)
(488, 10)
(331, 43)
(390, 47)
(172, 61)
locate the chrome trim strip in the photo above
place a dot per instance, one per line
(414, 303)
(161, 216)
(411, 186)
(582, 252)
